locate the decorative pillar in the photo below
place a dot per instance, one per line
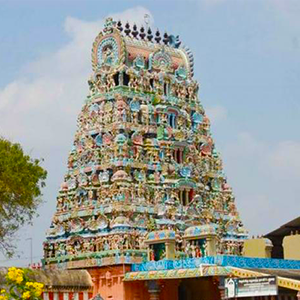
(85, 295)
(167, 249)
(181, 196)
(211, 246)
(149, 253)
(46, 296)
(121, 78)
(96, 283)
(170, 250)
(186, 197)
(154, 290)
(76, 296)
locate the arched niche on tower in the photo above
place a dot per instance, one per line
(108, 49)
(186, 190)
(161, 245)
(172, 116)
(200, 240)
(160, 60)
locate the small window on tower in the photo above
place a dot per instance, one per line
(166, 89)
(172, 119)
(157, 119)
(140, 117)
(178, 156)
(126, 79)
(151, 82)
(184, 198)
(191, 195)
(116, 78)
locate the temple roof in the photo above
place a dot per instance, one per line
(195, 231)
(134, 45)
(57, 279)
(285, 229)
(291, 274)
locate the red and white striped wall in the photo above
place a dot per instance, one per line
(67, 295)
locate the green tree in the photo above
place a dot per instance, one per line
(21, 180)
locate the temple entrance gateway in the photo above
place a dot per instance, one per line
(198, 288)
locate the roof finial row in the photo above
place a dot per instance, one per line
(148, 36)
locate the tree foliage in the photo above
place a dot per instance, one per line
(21, 181)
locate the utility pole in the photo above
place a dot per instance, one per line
(30, 250)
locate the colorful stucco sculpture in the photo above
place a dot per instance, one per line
(143, 165)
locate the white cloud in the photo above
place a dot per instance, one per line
(289, 9)
(265, 179)
(216, 113)
(39, 109)
(285, 159)
(43, 103)
(210, 3)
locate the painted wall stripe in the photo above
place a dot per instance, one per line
(45, 296)
(85, 296)
(76, 296)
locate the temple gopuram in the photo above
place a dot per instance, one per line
(145, 208)
(143, 164)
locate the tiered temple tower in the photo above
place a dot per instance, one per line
(143, 165)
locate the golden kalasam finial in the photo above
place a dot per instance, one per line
(109, 24)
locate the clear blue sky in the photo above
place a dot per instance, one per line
(247, 60)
